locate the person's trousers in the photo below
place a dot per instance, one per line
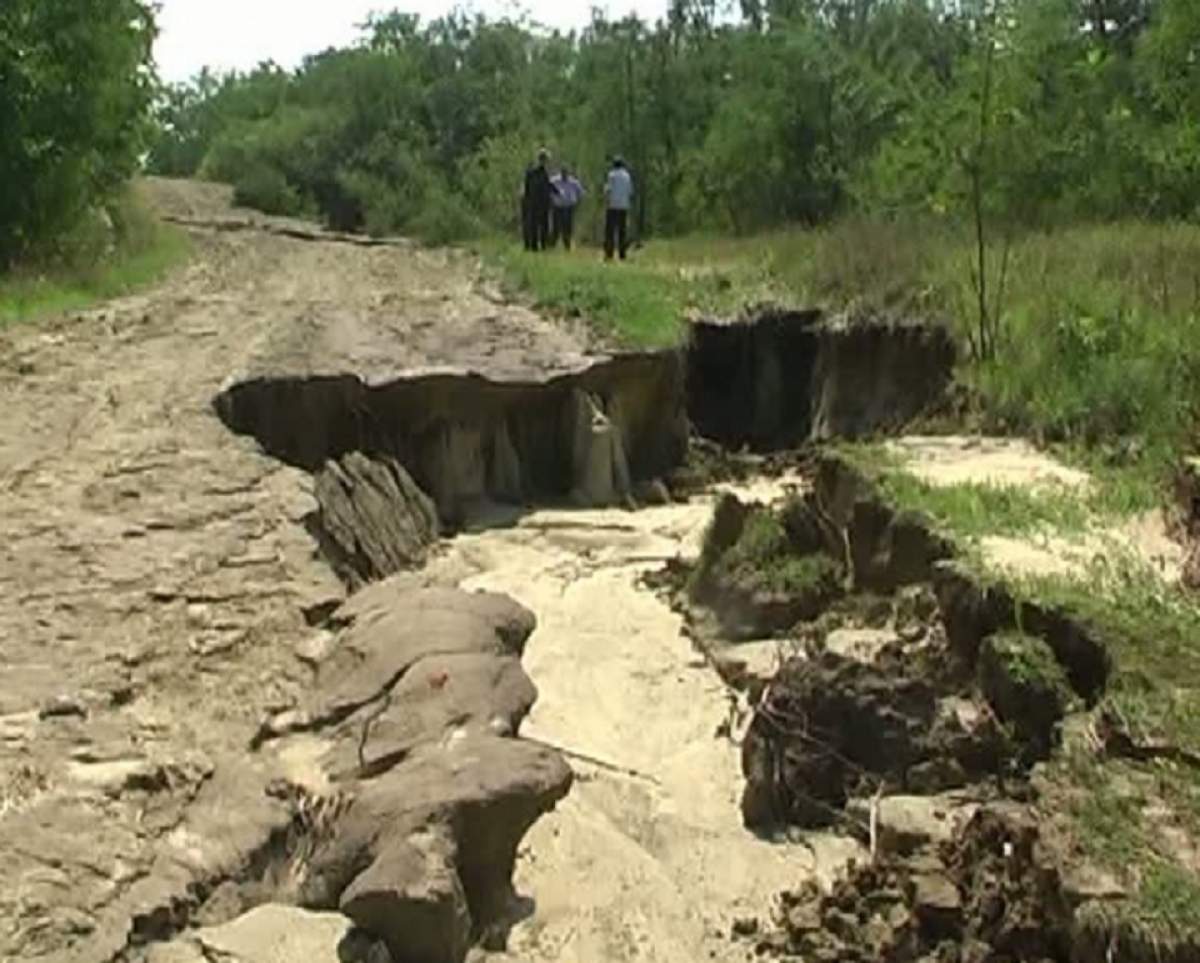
(616, 233)
(539, 227)
(527, 225)
(562, 227)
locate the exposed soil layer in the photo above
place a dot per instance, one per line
(909, 714)
(593, 433)
(786, 377)
(988, 894)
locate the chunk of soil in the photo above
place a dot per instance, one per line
(885, 549)
(1025, 685)
(987, 895)
(833, 727)
(762, 571)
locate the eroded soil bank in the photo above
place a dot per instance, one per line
(942, 717)
(647, 858)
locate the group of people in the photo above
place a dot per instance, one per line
(548, 203)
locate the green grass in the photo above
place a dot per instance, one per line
(1029, 659)
(1108, 817)
(1100, 346)
(645, 301)
(763, 556)
(144, 253)
(970, 510)
(635, 306)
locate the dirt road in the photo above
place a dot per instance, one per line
(155, 571)
(160, 582)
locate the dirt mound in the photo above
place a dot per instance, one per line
(987, 895)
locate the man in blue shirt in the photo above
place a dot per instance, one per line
(618, 191)
(568, 192)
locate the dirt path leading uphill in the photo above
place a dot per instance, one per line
(650, 863)
(155, 572)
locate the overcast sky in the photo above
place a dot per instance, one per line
(229, 34)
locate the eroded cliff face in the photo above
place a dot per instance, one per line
(787, 377)
(588, 435)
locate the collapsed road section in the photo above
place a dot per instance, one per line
(402, 784)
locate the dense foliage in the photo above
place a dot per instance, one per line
(1021, 110)
(76, 85)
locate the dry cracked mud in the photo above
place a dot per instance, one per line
(157, 572)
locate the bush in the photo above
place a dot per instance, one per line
(266, 189)
(75, 88)
(444, 218)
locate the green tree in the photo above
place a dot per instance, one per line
(76, 83)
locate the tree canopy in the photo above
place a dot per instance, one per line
(795, 112)
(76, 84)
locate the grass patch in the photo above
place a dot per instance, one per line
(1107, 813)
(144, 251)
(764, 558)
(638, 307)
(1101, 337)
(645, 301)
(971, 510)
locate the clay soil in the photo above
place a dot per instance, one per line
(155, 569)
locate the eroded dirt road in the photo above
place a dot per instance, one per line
(155, 572)
(646, 860)
(159, 583)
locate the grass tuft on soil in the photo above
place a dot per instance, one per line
(140, 251)
(764, 558)
(971, 510)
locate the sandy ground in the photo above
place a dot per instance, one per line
(956, 460)
(647, 859)
(154, 570)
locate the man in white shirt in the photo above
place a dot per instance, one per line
(618, 191)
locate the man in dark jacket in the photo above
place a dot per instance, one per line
(535, 203)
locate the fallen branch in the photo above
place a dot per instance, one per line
(593, 760)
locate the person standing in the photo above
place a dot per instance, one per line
(535, 206)
(618, 191)
(568, 192)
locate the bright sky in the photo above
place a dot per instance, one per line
(229, 34)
